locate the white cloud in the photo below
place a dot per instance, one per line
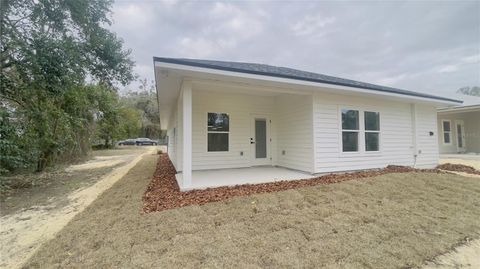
(144, 71)
(448, 68)
(311, 24)
(229, 25)
(392, 80)
(203, 47)
(233, 21)
(461, 63)
(414, 45)
(471, 59)
(132, 16)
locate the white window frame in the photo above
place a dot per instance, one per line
(359, 146)
(365, 131)
(218, 132)
(361, 131)
(449, 132)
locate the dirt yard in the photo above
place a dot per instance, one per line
(31, 216)
(389, 221)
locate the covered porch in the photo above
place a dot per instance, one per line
(203, 179)
(225, 132)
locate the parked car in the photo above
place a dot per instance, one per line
(127, 142)
(145, 141)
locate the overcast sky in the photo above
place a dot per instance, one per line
(422, 46)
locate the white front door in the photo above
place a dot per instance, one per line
(260, 140)
(460, 133)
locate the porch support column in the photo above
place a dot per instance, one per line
(187, 134)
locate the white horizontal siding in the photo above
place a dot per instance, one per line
(427, 144)
(395, 138)
(295, 132)
(307, 130)
(240, 109)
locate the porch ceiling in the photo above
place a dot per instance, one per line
(460, 109)
(169, 83)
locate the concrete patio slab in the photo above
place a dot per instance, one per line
(465, 156)
(203, 179)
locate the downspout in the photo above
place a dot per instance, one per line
(314, 140)
(413, 110)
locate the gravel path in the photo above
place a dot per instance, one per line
(464, 256)
(468, 160)
(23, 232)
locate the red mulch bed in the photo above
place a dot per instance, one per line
(458, 168)
(163, 192)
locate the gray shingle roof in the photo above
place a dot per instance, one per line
(284, 72)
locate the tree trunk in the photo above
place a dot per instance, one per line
(43, 161)
(107, 142)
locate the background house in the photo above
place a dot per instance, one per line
(459, 126)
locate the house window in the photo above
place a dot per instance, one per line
(350, 130)
(372, 131)
(218, 128)
(447, 132)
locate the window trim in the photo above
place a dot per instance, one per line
(361, 131)
(449, 132)
(358, 131)
(220, 132)
(365, 131)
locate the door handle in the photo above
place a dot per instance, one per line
(251, 141)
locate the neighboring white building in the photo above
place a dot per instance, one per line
(459, 126)
(224, 115)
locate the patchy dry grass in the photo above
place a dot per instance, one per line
(53, 204)
(390, 221)
(53, 186)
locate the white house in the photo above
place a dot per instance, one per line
(459, 127)
(230, 123)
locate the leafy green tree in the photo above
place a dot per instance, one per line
(474, 91)
(130, 123)
(108, 119)
(145, 100)
(48, 50)
(12, 156)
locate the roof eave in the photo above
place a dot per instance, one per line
(438, 99)
(459, 108)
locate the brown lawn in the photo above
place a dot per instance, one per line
(389, 221)
(164, 193)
